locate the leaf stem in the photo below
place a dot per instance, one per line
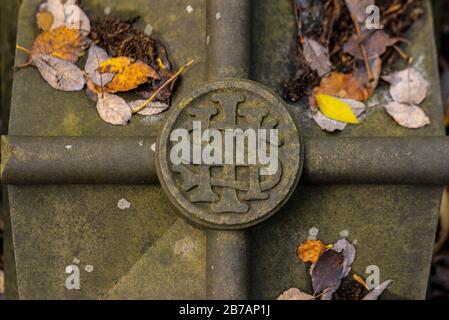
(173, 78)
(23, 49)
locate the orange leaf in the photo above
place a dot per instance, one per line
(342, 85)
(64, 43)
(129, 73)
(311, 250)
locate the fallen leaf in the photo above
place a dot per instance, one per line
(113, 109)
(375, 44)
(59, 73)
(310, 251)
(95, 57)
(357, 8)
(56, 9)
(408, 116)
(129, 73)
(76, 19)
(295, 294)
(326, 273)
(151, 108)
(330, 125)
(377, 292)
(342, 85)
(317, 56)
(375, 66)
(63, 14)
(347, 249)
(44, 20)
(407, 86)
(335, 109)
(64, 43)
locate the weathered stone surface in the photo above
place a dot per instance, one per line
(146, 251)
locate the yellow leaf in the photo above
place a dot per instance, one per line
(335, 109)
(311, 250)
(129, 73)
(64, 43)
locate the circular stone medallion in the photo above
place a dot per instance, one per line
(230, 155)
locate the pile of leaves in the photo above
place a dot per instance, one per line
(340, 61)
(331, 274)
(120, 58)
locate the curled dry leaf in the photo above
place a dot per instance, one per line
(151, 108)
(407, 86)
(330, 125)
(55, 8)
(63, 43)
(347, 249)
(76, 19)
(357, 8)
(113, 109)
(95, 57)
(129, 73)
(377, 292)
(44, 20)
(342, 85)
(336, 109)
(317, 56)
(310, 251)
(295, 294)
(408, 116)
(54, 14)
(326, 273)
(59, 73)
(375, 44)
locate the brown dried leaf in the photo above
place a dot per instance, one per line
(326, 273)
(407, 86)
(59, 73)
(95, 57)
(152, 108)
(295, 294)
(361, 73)
(408, 116)
(113, 109)
(357, 8)
(342, 85)
(347, 249)
(331, 125)
(129, 73)
(63, 43)
(375, 44)
(317, 56)
(377, 292)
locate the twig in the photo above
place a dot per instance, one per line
(173, 78)
(362, 48)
